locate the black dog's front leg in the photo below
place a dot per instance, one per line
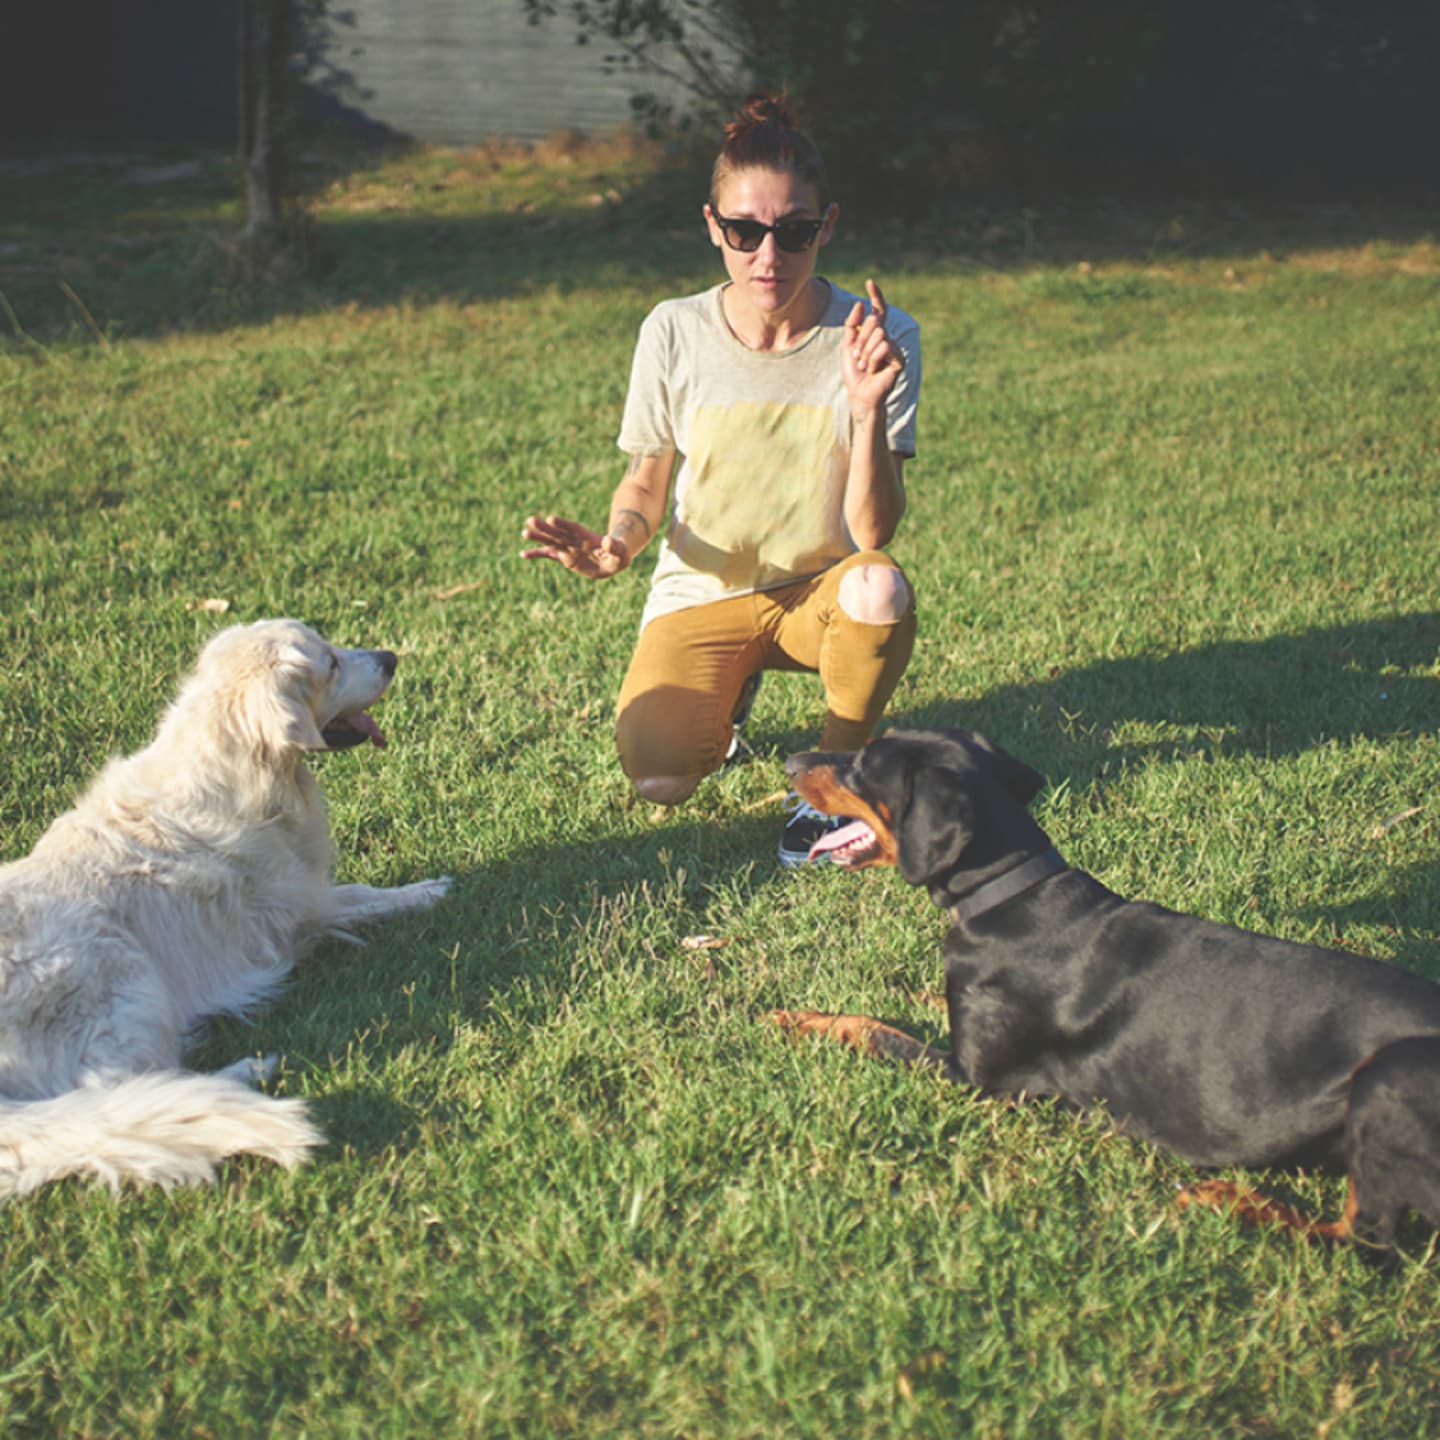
(1000, 1036)
(869, 1036)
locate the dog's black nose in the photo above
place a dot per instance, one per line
(388, 660)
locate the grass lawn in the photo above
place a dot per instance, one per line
(1173, 529)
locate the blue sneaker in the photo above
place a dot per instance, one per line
(805, 828)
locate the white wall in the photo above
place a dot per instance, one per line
(456, 72)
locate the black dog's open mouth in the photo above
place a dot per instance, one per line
(346, 731)
(865, 838)
(848, 845)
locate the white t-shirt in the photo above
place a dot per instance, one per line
(764, 442)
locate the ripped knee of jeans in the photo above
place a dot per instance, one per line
(875, 595)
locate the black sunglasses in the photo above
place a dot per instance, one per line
(749, 235)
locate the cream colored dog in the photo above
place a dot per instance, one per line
(184, 884)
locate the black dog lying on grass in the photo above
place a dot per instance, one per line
(1219, 1045)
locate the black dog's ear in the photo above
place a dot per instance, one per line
(929, 804)
(1015, 775)
(938, 824)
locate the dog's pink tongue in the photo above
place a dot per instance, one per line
(857, 835)
(368, 728)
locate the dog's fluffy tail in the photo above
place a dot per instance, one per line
(168, 1128)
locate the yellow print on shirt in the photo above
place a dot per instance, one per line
(764, 498)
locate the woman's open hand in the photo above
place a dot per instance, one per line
(869, 363)
(578, 549)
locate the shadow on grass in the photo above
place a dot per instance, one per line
(503, 935)
(139, 256)
(145, 258)
(1276, 697)
(1411, 899)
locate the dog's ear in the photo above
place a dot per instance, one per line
(937, 825)
(295, 720)
(265, 698)
(929, 803)
(274, 715)
(1015, 775)
(252, 688)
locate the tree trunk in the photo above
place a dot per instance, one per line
(264, 34)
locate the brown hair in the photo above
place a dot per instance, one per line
(763, 137)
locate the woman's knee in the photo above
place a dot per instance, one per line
(664, 746)
(875, 594)
(666, 789)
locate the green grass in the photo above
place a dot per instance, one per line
(1173, 531)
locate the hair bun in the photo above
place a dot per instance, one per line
(764, 107)
(767, 108)
(764, 136)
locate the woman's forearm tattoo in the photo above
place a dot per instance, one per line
(625, 524)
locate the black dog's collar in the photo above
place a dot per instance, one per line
(995, 893)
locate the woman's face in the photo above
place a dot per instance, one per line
(770, 279)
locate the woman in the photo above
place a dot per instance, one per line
(791, 407)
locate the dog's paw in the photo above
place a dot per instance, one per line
(799, 1022)
(1248, 1206)
(418, 895)
(424, 893)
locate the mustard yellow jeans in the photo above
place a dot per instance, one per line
(674, 712)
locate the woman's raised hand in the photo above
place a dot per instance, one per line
(869, 363)
(577, 548)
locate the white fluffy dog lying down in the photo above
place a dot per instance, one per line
(184, 884)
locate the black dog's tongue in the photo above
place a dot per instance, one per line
(847, 844)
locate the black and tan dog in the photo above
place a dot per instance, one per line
(1219, 1045)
